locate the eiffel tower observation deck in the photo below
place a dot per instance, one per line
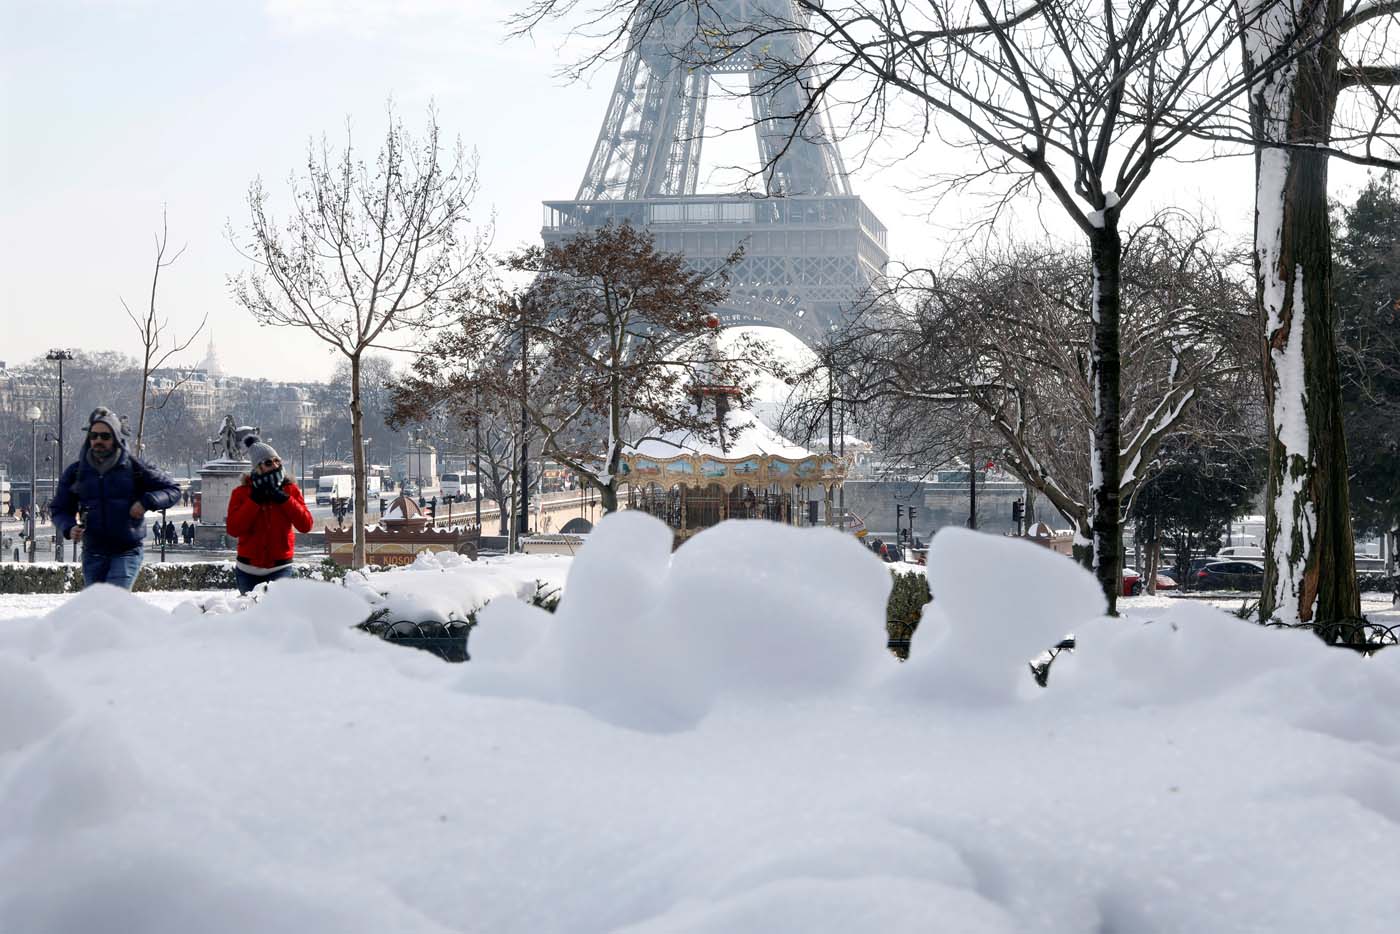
(811, 246)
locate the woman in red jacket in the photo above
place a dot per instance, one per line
(262, 513)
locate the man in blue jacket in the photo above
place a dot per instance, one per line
(112, 491)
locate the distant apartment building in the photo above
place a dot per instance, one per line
(20, 392)
(208, 394)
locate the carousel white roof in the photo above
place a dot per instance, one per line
(403, 507)
(745, 434)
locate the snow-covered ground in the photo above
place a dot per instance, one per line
(712, 742)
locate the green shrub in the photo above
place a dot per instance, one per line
(1378, 582)
(546, 596)
(326, 570)
(213, 576)
(907, 598)
(40, 578)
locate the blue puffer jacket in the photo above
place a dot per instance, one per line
(106, 500)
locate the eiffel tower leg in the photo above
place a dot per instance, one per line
(606, 150)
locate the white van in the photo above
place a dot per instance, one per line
(334, 486)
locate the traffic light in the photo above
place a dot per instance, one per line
(913, 514)
(898, 511)
(432, 508)
(1018, 511)
(383, 505)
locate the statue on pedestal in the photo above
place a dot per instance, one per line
(228, 440)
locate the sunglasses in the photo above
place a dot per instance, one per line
(271, 463)
(100, 435)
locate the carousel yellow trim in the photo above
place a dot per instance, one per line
(698, 471)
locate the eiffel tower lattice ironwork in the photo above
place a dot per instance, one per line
(811, 246)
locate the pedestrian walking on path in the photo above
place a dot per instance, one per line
(264, 514)
(102, 500)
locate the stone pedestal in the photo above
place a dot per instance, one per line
(217, 480)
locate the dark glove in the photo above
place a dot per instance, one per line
(257, 489)
(267, 488)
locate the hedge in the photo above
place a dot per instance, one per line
(1378, 582)
(217, 575)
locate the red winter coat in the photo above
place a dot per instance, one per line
(264, 530)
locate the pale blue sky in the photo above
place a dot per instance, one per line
(112, 108)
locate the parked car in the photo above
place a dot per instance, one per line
(1134, 584)
(1229, 575)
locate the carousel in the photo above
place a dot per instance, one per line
(750, 472)
(402, 533)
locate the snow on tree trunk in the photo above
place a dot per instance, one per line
(1106, 253)
(1309, 564)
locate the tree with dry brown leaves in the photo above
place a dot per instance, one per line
(615, 335)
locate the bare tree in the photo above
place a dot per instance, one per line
(1072, 102)
(174, 435)
(615, 334)
(494, 421)
(1002, 348)
(157, 346)
(376, 379)
(369, 254)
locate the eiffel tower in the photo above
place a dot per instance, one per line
(811, 246)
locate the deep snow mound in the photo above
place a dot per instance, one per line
(710, 741)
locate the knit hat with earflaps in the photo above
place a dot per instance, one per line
(259, 450)
(105, 416)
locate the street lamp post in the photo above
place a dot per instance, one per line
(53, 487)
(523, 526)
(58, 356)
(34, 416)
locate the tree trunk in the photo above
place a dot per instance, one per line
(1309, 558)
(607, 498)
(607, 495)
(1083, 548)
(141, 413)
(357, 555)
(1106, 252)
(1154, 561)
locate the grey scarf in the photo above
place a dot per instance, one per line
(103, 464)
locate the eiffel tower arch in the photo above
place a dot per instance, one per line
(811, 246)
